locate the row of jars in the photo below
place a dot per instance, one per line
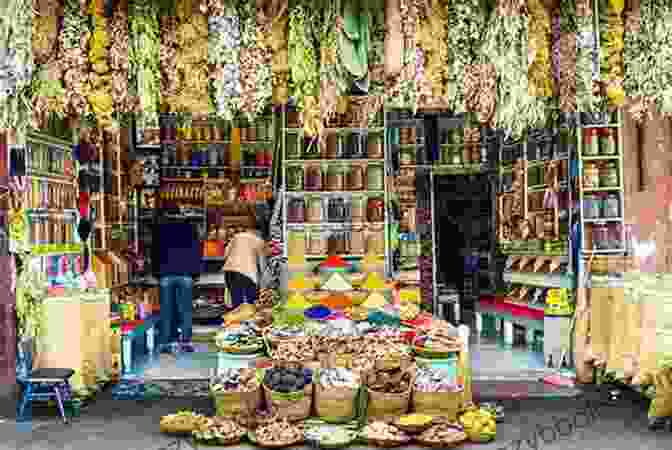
(599, 141)
(601, 206)
(603, 174)
(336, 209)
(211, 132)
(354, 241)
(351, 146)
(336, 177)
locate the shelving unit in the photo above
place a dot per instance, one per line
(51, 201)
(592, 215)
(299, 157)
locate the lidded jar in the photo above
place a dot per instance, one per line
(336, 178)
(314, 210)
(295, 178)
(375, 177)
(376, 209)
(358, 208)
(314, 178)
(356, 177)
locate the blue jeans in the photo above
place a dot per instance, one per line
(176, 307)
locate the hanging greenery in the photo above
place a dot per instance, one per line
(648, 57)
(144, 60)
(612, 29)
(31, 290)
(586, 58)
(539, 71)
(506, 45)
(304, 72)
(16, 64)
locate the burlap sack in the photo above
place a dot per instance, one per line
(233, 404)
(295, 406)
(335, 404)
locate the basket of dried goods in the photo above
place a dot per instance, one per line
(443, 435)
(219, 431)
(283, 333)
(329, 436)
(479, 424)
(242, 339)
(435, 392)
(438, 343)
(288, 391)
(181, 423)
(336, 392)
(389, 392)
(381, 434)
(294, 350)
(236, 392)
(277, 434)
(414, 423)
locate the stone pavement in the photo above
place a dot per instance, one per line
(133, 425)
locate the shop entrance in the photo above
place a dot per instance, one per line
(469, 274)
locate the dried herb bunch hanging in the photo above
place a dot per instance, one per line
(264, 75)
(251, 59)
(612, 29)
(304, 72)
(539, 71)
(466, 20)
(100, 96)
(566, 57)
(586, 57)
(224, 40)
(402, 22)
(432, 34)
(16, 64)
(144, 60)
(48, 94)
(506, 44)
(118, 60)
(648, 58)
(275, 20)
(333, 81)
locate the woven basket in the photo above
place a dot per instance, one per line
(385, 406)
(433, 444)
(386, 443)
(232, 404)
(293, 409)
(438, 404)
(335, 404)
(253, 438)
(413, 429)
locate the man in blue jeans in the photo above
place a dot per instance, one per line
(177, 259)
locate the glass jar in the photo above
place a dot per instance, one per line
(357, 240)
(358, 208)
(600, 237)
(296, 210)
(406, 156)
(608, 142)
(335, 178)
(357, 148)
(608, 174)
(375, 177)
(314, 178)
(316, 243)
(591, 145)
(295, 178)
(375, 241)
(292, 148)
(376, 209)
(374, 147)
(356, 178)
(314, 210)
(590, 207)
(297, 243)
(334, 150)
(591, 178)
(611, 207)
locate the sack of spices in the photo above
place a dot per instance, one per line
(288, 391)
(336, 393)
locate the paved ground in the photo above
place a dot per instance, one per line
(134, 425)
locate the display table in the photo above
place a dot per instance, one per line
(77, 335)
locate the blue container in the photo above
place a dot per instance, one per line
(447, 364)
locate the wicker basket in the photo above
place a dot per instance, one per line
(335, 404)
(284, 405)
(438, 404)
(433, 444)
(253, 438)
(384, 406)
(232, 404)
(413, 429)
(386, 443)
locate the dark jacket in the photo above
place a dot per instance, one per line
(176, 249)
